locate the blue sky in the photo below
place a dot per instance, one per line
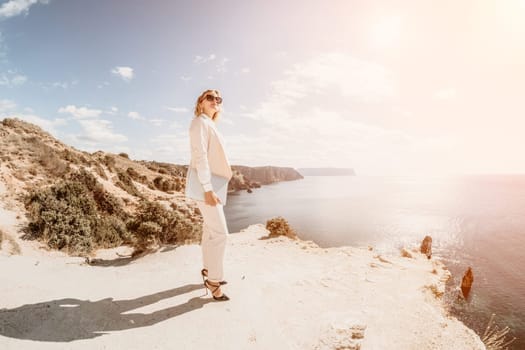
(411, 87)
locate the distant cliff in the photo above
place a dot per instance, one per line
(326, 171)
(246, 178)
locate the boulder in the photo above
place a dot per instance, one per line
(466, 282)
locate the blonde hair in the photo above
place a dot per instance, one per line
(198, 108)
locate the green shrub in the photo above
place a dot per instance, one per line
(153, 224)
(73, 157)
(85, 178)
(106, 202)
(279, 227)
(112, 232)
(126, 183)
(77, 215)
(64, 216)
(68, 216)
(164, 184)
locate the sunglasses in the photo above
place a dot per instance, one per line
(216, 98)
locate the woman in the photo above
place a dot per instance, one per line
(208, 156)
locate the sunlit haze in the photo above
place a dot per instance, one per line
(384, 87)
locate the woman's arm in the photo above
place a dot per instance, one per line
(199, 139)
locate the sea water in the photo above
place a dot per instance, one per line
(476, 221)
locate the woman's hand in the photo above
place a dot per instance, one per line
(211, 198)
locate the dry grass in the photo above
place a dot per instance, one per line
(48, 157)
(15, 248)
(495, 338)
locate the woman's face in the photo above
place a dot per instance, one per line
(211, 105)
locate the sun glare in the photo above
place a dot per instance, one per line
(386, 32)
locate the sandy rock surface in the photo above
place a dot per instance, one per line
(285, 294)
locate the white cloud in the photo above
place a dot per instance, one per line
(249, 115)
(8, 110)
(173, 148)
(308, 120)
(7, 105)
(45, 124)
(60, 84)
(104, 84)
(80, 112)
(185, 78)
(350, 76)
(18, 79)
(11, 78)
(157, 122)
(99, 131)
(245, 70)
(16, 7)
(135, 116)
(200, 59)
(126, 73)
(221, 66)
(153, 121)
(445, 94)
(178, 109)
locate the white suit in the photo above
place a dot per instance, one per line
(208, 155)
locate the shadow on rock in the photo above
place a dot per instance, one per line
(71, 319)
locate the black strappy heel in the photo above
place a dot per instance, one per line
(204, 273)
(208, 285)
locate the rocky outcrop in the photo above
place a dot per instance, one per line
(426, 246)
(246, 178)
(466, 282)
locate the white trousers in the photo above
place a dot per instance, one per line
(213, 242)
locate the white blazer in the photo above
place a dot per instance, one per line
(208, 154)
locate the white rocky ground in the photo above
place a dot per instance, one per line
(285, 294)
